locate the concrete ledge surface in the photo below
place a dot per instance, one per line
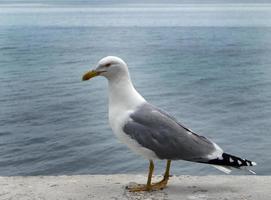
(112, 187)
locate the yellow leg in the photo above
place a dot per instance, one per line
(163, 183)
(143, 187)
(150, 187)
(151, 168)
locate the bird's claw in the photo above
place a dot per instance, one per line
(138, 188)
(143, 187)
(160, 185)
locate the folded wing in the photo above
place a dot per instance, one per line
(167, 138)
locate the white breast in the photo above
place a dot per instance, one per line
(117, 122)
(123, 100)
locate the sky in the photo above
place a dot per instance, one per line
(136, 1)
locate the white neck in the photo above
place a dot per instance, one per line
(122, 94)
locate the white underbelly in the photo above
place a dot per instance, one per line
(117, 122)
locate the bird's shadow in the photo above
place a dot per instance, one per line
(193, 189)
(199, 190)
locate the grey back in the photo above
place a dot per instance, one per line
(165, 136)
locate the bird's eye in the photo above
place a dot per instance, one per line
(107, 65)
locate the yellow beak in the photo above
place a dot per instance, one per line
(90, 75)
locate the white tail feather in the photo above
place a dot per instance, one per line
(252, 172)
(224, 169)
(228, 170)
(245, 168)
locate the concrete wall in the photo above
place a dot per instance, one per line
(112, 187)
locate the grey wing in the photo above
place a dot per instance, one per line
(168, 139)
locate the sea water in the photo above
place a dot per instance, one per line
(208, 65)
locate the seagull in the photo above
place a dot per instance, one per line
(152, 132)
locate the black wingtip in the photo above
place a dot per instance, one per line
(232, 161)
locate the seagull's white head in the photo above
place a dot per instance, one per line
(110, 67)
